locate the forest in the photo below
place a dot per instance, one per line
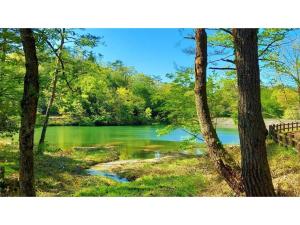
(73, 124)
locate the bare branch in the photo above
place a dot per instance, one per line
(226, 30)
(189, 37)
(222, 59)
(267, 48)
(222, 68)
(271, 60)
(229, 60)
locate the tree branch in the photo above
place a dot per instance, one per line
(222, 59)
(222, 68)
(194, 135)
(267, 48)
(226, 30)
(189, 37)
(58, 56)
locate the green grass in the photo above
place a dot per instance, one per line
(166, 185)
(57, 173)
(62, 173)
(285, 169)
(171, 177)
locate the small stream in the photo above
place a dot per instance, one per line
(104, 168)
(112, 176)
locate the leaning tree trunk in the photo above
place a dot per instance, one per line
(28, 113)
(252, 130)
(45, 124)
(53, 93)
(223, 162)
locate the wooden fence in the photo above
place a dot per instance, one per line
(284, 134)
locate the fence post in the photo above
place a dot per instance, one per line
(298, 147)
(286, 140)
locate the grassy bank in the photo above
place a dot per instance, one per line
(62, 173)
(67, 120)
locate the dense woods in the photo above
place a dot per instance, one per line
(91, 92)
(55, 77)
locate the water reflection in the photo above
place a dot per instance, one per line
(131, 141)
(157, 155)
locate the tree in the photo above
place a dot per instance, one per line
(11, 75)
(223, 162)
(79, 42)
(255, 168)
(58, 69)
(269, 43)
(28, 113)
(287, 69)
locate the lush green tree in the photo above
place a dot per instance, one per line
(11, 76)
(271, 107)
(62, 36)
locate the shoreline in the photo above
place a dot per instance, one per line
(227, 122)
(220, 122)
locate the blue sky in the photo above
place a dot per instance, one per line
(150, 51)
(154, 52)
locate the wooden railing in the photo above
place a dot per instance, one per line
(284, 134)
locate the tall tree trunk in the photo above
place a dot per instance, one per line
(4, 45)
(53, 93)
(223, 162)
(252, 130)
(28, 114)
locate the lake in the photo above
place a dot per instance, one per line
(132, 141)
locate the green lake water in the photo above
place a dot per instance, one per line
(132, 141)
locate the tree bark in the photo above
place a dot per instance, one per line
(28, 114)
(53, 93)
(223, 162)
(252, 131)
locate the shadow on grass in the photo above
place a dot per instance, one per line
(57, 173)
(62, 173)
